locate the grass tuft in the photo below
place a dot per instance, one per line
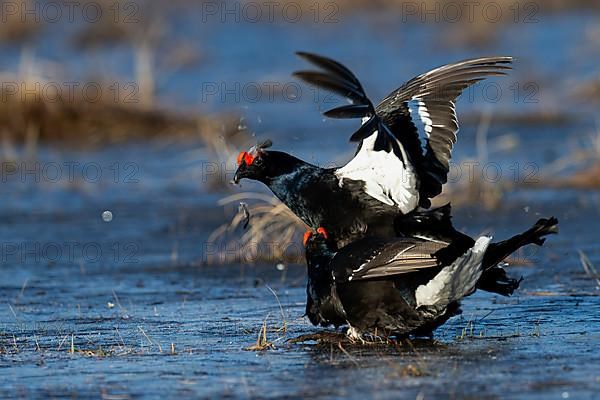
(273, 233)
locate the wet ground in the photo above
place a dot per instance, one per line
(148, 320)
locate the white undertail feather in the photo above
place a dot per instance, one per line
(386, 177)
(457, 280)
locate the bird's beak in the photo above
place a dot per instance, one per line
(239, 173)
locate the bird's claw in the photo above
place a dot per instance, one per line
(354, 335)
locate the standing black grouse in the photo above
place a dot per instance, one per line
(399, 286)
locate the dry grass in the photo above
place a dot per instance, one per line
(589, 268)
(470, 24)
(39, 105)
(395, 6)
(16, 28)
(273, 232)
(588, 91)
(262, 343)
(585, 162)
(36, 108)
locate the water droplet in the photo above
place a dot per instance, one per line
(107, 216)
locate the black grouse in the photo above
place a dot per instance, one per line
(393, 171)
(399, 286)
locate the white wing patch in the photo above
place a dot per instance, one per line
(425, 117)
(456, 280)
(386, 177)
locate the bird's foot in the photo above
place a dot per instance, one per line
(374, 338)
(354, 335)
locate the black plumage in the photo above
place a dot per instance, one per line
(383, 286)
(324, 197)
(315, 196)
(385, 262)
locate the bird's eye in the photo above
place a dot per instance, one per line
(245, 157)
(249, 159)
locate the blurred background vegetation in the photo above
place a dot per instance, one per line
(171, 91)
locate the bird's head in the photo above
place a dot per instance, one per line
(264, 165)
(252, 164)
(318, 243)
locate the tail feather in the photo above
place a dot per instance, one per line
(497, 252)
(494, 278)
(455, 281)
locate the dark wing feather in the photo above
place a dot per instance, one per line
(330, 65)
(339, 79)
(368, 258)
(333, 83)
(349, 111)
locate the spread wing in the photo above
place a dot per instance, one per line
(435, 93)
(372, 258)
(338, 79)
(390, 127)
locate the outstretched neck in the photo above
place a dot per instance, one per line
(281, 165)
(319, 264)
(295, 183)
